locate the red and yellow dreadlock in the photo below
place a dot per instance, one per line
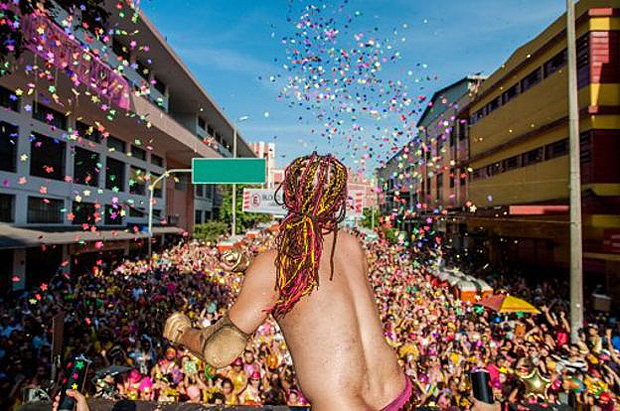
(315, 193)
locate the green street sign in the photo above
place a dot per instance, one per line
(228, 170)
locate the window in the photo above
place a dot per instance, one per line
(531, 80)
(47, 157)
(137, 152)
(476, 175)
(199, 190)
(157, 160)
(209, 190)
(452, 137)
(511, 93)
(114, 175)
(44, 211)
(136, 212)
(463, 179)
(451, 178)
(88, 132)
(556, 63)
(201, 123)
(49, 116)
(585, 153)
(210, 130)
(86, 167)
(8, 99)
(83, 213)
(462, 129)
(477, 116)
(494, 104)
(159, 85)
(157, 213)
(9, 135)
(512, 163)
(198, 217)
(116, 145)
(494, 169)
(142, 70)
(180, 182)
(157, 190)
(557, 149)
(137, 180)
(533, 156)
(439, 194)
(120, 49)
(114, 214)
(218, 138)
(7, 205)
(583, 60)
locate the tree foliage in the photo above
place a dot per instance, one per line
(367, 217)
(91, 15)
(211, 230)
(245, 221)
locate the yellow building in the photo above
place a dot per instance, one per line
(518, 142)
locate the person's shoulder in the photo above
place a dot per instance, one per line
(349, 241)
(264, 262)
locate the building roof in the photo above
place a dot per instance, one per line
(442, 92)
(187, 94)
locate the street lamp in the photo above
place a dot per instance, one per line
(234, 186)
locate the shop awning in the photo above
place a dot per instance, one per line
(19, 237)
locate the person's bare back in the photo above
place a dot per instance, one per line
(335, 337)
(331, 325)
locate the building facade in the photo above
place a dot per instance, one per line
(519, 149)
(86, 123)
(424, 179)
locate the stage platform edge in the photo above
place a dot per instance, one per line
(129, 405)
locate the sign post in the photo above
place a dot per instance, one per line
(261, 200)
(213, 171)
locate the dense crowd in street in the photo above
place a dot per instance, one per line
(116, 318)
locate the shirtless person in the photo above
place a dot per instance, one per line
(333, 331)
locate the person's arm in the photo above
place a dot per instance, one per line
(610, 347)
(548, 316)
(225, 340)
(257, 295)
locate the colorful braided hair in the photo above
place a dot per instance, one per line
(315, 193)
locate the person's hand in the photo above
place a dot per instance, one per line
(483, 406)
(80, 400)
(608, 333)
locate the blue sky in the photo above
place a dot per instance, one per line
(235, 49)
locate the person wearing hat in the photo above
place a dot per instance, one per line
(252, 393)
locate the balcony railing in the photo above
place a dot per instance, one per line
(48, 41)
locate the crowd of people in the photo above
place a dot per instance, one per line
(115, 319)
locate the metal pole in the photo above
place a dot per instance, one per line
(151, 195)
(576, 252)
(234, 187)
(372, 218)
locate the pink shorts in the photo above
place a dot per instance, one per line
(402, 399)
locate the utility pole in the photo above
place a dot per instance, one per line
(234, 186)
(576, 252)
(152, 200)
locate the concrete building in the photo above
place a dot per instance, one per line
(518, 150)
(86, 123)
(422, 178)
(268, 152)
